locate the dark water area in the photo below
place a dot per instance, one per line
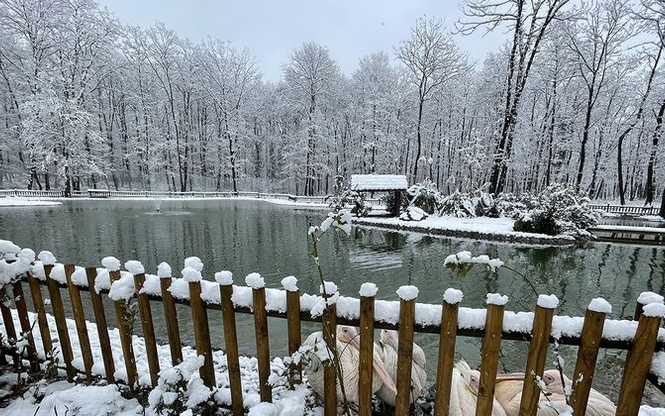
(255, 236)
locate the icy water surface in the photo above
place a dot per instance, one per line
(249, 236)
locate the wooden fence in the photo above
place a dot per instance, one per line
(626, 209)
(216, 304)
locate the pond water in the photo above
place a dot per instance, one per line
(255, 236)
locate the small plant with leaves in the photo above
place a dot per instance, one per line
(178, 391)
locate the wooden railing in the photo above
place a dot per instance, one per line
(203, 296)
(625, 209)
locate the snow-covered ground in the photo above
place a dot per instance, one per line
(17, 201)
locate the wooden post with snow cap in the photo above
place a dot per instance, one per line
(58, 309)
(40, 308)
(329, 329)
(644, 299)
(638, 360)
(447, 341)
(490, 353)
(175, 346)
(290, 283)
(535, 364)
(407, 314)
(26, 327)
(8, 321)
(136, 268)
(225, 280)
(79, 317)
(200, 323)
(367, 296)
(587, 354)
(256, 282)
(102, 327)
(124, 327)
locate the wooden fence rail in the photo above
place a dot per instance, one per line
(201, 297)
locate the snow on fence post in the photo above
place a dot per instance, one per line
(639, 358)
(136, 268)
(124, 327)
(447, 341)
(102, 326)
(293, 323)
(587, 354)
(79, 320)
(38, 302)
(59, 313)
(164, 274)
(26, 328)
(329, 329)
(490, 352)
(200, 323)
(644, 299)
(225, 280)
(407, 314)
(257, 283)
(8, 320)
(367, 297)
(535, 364)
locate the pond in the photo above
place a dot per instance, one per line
(256, 236)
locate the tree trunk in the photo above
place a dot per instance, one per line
(652, 157)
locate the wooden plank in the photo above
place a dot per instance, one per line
(201, 333)
(148, 329)
(366, 355)
(587, 354)
(42, 322)
(444, 373)
(125, 332)
(61, 322)
(535, 364)
(10, 329)
(171, 315)
(232, 355)
(26, 327)
(262, 342)
(638, 362)
(102, 326)
(329, 328)
(295, 333)
(490, 360)
(79, 319)
(407, 313)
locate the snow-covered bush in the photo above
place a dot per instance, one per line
(556, 210)
(425, 196)
(413, 214)
(469, 205)
(179, 390)
(342, 197)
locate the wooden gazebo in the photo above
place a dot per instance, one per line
(397, 184)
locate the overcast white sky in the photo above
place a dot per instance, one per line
(272, 29)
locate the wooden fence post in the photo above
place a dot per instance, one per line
(146, 320)
(256, 282)
(329, 329)
(491, 348)
(447, 341)
(367, 296)
(124, 328)
(102, 326)
(8, 320)
(644, 299)
(172, 328)
(587, 354)
(535, 364)
(225, 280)
(638, 360)
(59, 314)
(40, 308)
(201, 329)
(79, 319)
(293, 324)
(407, 314)
(26, 327)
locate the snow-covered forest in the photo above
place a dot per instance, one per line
(576, 95)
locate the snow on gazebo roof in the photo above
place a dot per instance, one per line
(379, 182)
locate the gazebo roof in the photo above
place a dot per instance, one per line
(379, 182)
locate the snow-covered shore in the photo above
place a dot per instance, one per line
(17, 201)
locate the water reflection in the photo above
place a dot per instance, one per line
(246, 236)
